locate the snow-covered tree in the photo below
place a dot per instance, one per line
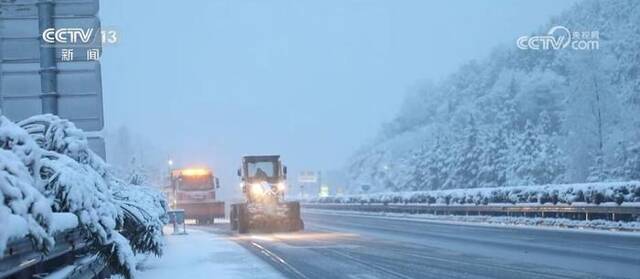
(552, 161)
(117, 219)
(587, 101)
(494, 162)
(466, 157)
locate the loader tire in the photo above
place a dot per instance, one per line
(295, 220)
(243, 219)
(233, 217)
(296, 225)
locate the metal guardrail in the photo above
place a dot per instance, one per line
(22, 260)
(583, 212)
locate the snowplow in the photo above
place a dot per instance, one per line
(194, 190)
(263, 182)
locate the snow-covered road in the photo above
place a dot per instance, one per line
(204, 255)
(358, 246)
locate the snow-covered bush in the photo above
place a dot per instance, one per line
(47, 167)
(590, 193)
(23, 208)
(144, 212)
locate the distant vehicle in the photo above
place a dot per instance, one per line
(194, 190)
(264, 186)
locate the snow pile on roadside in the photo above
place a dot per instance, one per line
(590, 193)
(563, 222)
(199, 254)
(46, 166)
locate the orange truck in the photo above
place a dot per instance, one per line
(194, 190)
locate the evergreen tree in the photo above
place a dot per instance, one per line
(631, 166)
(527, 150)
(551, 166)
(466, 158)
(494, 160)
(438, 164)
(598, 172)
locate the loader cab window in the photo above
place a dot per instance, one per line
(262, 170)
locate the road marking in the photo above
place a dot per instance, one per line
(328, 246)
(278, 259)
(363, 276)
(377, 267)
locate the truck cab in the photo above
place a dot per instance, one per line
(194, 190)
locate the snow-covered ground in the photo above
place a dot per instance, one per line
(199, 254)
(559, 223)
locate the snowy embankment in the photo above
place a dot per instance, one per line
(205, 255)
(621, 193)
(51, 181)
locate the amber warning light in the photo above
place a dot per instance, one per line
(194, 172)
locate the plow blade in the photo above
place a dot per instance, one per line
(203, 213)
(266, 218)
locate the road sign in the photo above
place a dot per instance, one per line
(79, 89)
(35, 78)
(324, 191)
(28, 8)
(20, 39)
(307, 177)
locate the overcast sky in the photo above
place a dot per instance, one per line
(209, 81)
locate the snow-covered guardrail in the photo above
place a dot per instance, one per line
(21, 256)
(584, 212)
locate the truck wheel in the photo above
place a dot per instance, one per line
(233, 217)
(243, 219)
(296, 225)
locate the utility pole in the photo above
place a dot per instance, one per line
(48, 67)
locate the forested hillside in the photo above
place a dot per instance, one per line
(521, 117)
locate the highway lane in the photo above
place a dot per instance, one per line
(356, 246)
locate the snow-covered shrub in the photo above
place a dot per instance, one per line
(75, 177)
(591, 193)
(145, 214)
(47, 167)
(23, 209)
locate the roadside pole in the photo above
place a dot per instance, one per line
(48, 65)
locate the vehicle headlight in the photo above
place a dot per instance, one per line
(281, 186)
(256, 189)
